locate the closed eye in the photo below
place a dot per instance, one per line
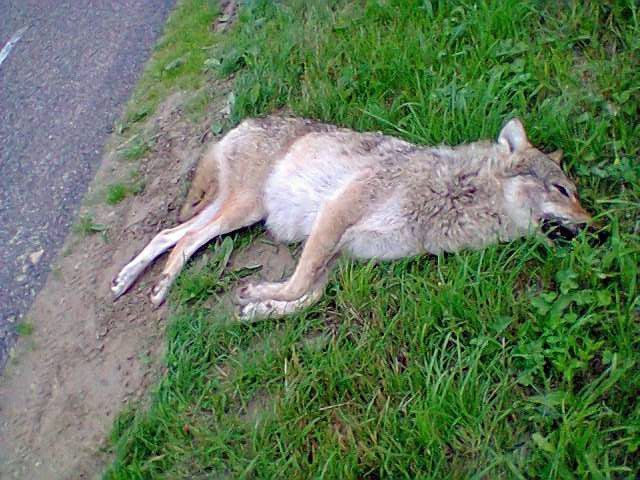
(561, 189)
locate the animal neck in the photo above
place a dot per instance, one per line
(465, 202)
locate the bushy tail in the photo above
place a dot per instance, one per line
(204, 187)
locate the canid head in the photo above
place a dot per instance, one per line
(536, 190)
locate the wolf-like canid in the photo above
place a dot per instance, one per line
(365, 194)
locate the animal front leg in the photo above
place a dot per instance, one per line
(301, 288)
(333, 220)
(263, 309)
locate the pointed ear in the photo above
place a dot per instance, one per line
(556, 156)
(513, 136)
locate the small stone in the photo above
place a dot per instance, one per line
(21, 279)
(35, 257)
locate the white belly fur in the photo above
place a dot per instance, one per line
(295, 193)
(297, 189)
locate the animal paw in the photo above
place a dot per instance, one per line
(122, 281)
(160, 290)
(254, 311)
(254, 292)
(244, 294)
(260, 310)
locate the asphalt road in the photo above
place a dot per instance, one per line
(62, 86)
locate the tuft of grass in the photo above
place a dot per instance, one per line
(135, 148)
(206, 276)
(518, 361)
(116, 192)
(24, 329)
(87, 226)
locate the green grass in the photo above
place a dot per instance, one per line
(519, 361)
(24, 329)
(177, 63)
(86, 225)
(135, 147)
(118, 191)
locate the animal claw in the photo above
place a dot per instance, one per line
(244, 295)
(120, 284)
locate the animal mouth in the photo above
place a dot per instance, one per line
(561, 228)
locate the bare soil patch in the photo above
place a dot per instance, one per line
(88, 355)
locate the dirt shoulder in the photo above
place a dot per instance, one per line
(87, 355)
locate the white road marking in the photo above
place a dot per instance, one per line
(4, 53)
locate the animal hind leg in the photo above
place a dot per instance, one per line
(160, 244)
(234, 214)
